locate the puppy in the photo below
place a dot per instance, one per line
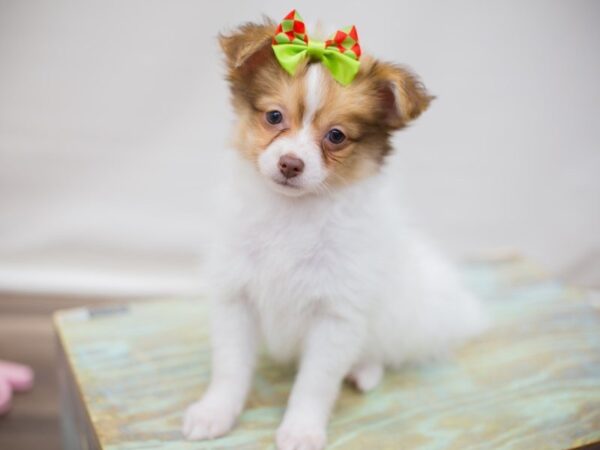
(313, 257)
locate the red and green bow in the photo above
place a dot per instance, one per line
(340, 53)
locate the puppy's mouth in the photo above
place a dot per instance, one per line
(286, 187)
(286, 183)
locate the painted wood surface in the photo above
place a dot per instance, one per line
(531, 382)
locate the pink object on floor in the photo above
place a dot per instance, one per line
(13, 377)
(5, 396)
(18, 376)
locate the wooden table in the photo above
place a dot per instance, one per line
(531, 382)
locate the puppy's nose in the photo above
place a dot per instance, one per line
(290, 166)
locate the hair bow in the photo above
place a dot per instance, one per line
(339, 54)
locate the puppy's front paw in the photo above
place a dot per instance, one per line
(297, 436)
(203, 420)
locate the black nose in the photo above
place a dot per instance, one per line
(290, 166)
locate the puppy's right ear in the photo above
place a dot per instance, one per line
(246, 47)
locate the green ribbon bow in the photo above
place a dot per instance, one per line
(340, 53)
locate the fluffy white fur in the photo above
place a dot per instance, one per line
(334, 280)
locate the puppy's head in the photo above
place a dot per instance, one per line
(307, 133)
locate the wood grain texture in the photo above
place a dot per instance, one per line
(531, 382)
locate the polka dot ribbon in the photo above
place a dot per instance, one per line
(340, 53)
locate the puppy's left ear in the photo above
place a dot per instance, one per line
(401, 94)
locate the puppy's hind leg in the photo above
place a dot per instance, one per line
(365, 376)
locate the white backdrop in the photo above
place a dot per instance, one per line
(114, 119)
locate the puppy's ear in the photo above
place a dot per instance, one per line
(402, 95)
(246, 47)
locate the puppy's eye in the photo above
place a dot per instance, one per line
(335, 136)
(274, 117)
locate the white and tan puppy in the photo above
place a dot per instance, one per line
(314, 258)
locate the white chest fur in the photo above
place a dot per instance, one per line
(294, 258)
